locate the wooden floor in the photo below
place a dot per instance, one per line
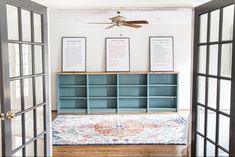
(117, 150)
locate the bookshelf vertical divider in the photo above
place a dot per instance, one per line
(58, 95)
(117, 93)
(87, 90)
(147, 92)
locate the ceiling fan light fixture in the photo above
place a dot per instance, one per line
(121, 21)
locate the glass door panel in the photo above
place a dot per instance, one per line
(225, 96)
(228, 17)
(213, 80)
(41, 146)
(224, 126)
(15, 91)
(39, 90)
(214, 26)
(200, 146)
(40, 120)
(212, 92)
(203, 28)
(210, 149)
(12, 21)
(226, 60)
(38, 59)
(200, 119)
(27, 59)
(201, 89)
(37, 27)
(30, 150)
(213, 60)
(202, 59)
(14, 59)
(16, 131)
(17, 154)
(211, 125)
(29, 132)
(222, 153)
(26, 25)
(28, 93)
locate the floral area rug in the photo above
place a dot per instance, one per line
(118, 129)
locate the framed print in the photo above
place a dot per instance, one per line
(117, 54)
(161, 53)
(74, 54)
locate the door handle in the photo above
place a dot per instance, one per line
(2, 116)
(10, 115)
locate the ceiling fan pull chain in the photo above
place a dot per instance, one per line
(120, 31)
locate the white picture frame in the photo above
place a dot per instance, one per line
(117, 54)
(74, 54)
(161, 53)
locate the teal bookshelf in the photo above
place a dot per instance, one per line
(117, 92)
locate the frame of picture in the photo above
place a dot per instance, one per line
(161, 53)
(74, 54)
(117, 55)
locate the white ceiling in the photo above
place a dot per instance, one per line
(119, 4)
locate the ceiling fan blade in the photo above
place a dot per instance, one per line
(110, 26)
(131, 25)
(100, 23)
(137, 22)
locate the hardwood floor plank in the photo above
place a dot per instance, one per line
(124, 150)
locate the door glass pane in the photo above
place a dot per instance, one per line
(14, 60)
(214, 26)
(28, 93)
(203, 28)
(201, 89)
(27, 59)
(226, 60)
(38, 59)
(212, 92)
(225, 96)
(26, 25)
(37, 28)
(211, 125)
(29, 134)
(30, 150)
(200, 146)
(40, 146)
(224, 131)
(227, 32)
(16, 131)
(40, 120)
(18, 153)
(12, 22)
(15, 91)
(202, 59)
(210, 149)
(213, 60)
(39, 90)
(200, 119)
(221, 153)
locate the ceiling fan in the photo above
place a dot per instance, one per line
(121, 21)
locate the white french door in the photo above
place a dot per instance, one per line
(24, 79)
